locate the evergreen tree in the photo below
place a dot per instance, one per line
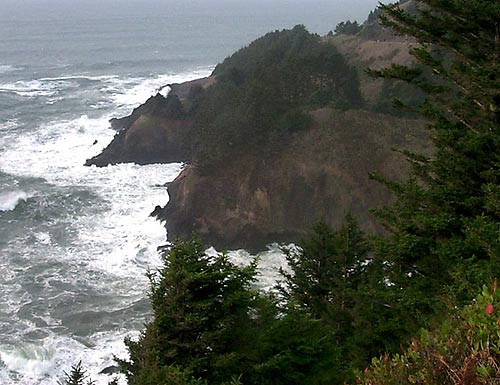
(445, 225)
(296, 349)
(326, 269)
(209, 327)
(77, 376)
(264, 92)
(334, 280)
(348, 27)
(174, 108)
(201, 313)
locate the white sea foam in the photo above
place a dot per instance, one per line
(113, 241)
(116, 242)
(105, 78)
(4, 68)
(10, 199)
(56, 148)
(43, 238)
(53, 86)
(140, 89)
(131, 195)
(8, 125)
(268, 267)
(38, 362)
(36, 88)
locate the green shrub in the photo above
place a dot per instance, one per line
(464, 349)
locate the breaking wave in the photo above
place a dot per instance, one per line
(9, 200)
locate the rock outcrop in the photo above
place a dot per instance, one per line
(258, 192)
(321, 175)
(146, 136)
(148, 140)
(153, 133)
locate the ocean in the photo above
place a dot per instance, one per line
(75, 241)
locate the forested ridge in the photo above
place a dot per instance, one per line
(423, 297)
(264, 93)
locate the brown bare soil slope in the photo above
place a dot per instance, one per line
(322, 174)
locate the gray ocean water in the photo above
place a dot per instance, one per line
(75, 241)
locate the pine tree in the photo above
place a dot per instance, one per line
(325, 270)
(334, 280)
(77, 376)
(445, 225)
(201, 311)
(348, 28)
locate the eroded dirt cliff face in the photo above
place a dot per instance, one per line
(321, 174)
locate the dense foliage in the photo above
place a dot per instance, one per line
(463, 349)
(346, 299)
(201, 307)
(348, 27)
(327, 318)
(210, 326)
(444, 229)
(445, 225)
(334, 280)
(263, 93)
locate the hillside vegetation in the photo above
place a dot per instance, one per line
(248, 131)
(264, 92)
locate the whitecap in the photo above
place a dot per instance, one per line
(31, 359)
(56, 149)
(9, 200)
(8, 125)
(105, 78)
(46, 362)
(115, 241)
(29, 88)
(269, 263)
(36, 87)
(4, 68)
(130, 92)
(43, 238)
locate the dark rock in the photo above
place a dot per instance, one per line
(153, 132)
(153, 106)
(148, 140)
(156, 212)
(110, 370)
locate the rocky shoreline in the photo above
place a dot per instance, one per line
(148, 135)
(254, 198)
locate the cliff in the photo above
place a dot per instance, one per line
(321, 175)
(154, 132)
(283, 134)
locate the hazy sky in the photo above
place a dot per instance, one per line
(353, 9)
(235, 23)
(337, 9)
